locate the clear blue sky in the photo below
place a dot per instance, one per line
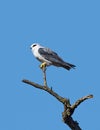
(72, 29)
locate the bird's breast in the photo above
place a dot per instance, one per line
(41, 58)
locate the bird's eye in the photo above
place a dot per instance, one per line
(34, 45)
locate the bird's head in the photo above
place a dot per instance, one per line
(34, 45)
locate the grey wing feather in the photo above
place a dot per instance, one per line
(49, 55)
(54, 58)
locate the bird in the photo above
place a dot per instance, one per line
(48, 57)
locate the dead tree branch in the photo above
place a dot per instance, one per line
(68, 108)
(44, 76)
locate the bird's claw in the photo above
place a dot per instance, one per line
(43, 65)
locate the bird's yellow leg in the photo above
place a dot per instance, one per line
(43, 65)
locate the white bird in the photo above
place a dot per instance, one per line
(49, 57)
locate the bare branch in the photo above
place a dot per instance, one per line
(45, 88)
(79, 101)
(68, 108)
(44, 76)
(68, 111)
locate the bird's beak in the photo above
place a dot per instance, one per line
(30, 47)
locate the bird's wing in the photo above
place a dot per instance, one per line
(54, 58)
(50, 55)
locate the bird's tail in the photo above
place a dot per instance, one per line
(68, 66)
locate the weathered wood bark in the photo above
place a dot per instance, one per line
(68, 108)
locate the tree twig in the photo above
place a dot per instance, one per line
(79, 101)
(44, 76)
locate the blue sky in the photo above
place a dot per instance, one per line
(72, 29)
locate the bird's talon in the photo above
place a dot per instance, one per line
(43, 65)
